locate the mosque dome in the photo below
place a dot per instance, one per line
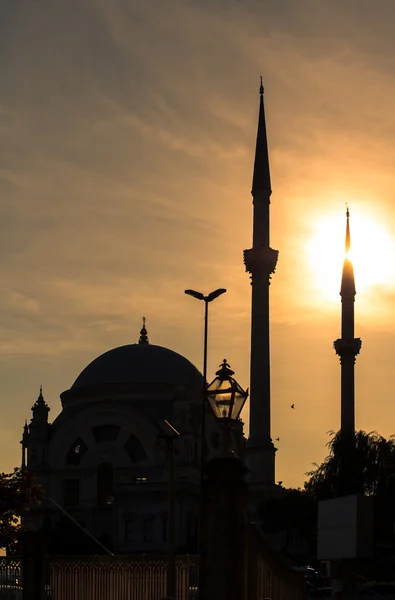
(140, 363)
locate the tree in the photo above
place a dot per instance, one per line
(18, 490)
(366, 461)
(363, 463)
(373, 474)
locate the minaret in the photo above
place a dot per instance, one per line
(260, 262)
(347, 347)
(38, 434)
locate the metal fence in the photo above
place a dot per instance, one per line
(10, 578)
(268, 576)
(144, 577)
(103, 578)
(118, 578)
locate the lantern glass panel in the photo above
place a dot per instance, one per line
(226, 398)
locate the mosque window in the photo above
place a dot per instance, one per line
(76, 452)
(71, 492)
(135, 449)
(105, 484)
(105, 433)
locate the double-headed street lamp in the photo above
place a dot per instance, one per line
(209, 298)
(206, 299)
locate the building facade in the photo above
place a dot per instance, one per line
(103, 460)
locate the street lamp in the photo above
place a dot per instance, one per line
(226, 398)
(222, 550)
(209, 298)
(206, 299)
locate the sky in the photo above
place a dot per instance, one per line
(127, 133)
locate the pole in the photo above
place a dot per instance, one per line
(203, 418)
(204, 390)
(223, 566)
(171, 564)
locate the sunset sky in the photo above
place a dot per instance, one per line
(127, 133)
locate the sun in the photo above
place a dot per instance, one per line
(372, 251)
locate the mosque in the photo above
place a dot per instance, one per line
(102, 460)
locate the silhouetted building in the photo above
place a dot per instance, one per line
(102, 459)
(261, 262)
(347, 347)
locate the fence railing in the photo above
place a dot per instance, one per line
(10, 578)
(10, 570)
(268, 576)
(143, 577)
(119, 578)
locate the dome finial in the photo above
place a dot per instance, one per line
(261, 87)
(143, 334)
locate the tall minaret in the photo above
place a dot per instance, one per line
(347, 347)
(261, 262)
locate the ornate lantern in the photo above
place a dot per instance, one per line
(226, 398)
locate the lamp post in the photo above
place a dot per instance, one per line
(206, 299)
(223, 559)
(226, 398)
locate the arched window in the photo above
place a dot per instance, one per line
(76, 452)
(105, 484)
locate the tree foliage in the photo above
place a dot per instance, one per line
(18, 490)
(362, 464)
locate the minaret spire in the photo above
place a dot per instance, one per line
(261, 177)
(260, 261)
(347, 347)
(348, 236)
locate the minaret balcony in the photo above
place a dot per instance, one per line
(260, 260)
(346, 347)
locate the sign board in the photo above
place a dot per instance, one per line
(345, 528)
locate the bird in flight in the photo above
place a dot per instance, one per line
(277, 439)
(292, 405)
